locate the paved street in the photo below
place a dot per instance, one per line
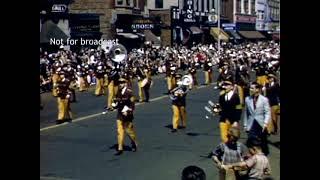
(82, 150)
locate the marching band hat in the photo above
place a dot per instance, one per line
(122, 80)
(61, 72)
(178, 76)
(272, 76)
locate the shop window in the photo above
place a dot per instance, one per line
(159, 3)
(122, 2)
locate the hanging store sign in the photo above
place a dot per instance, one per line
(144, 24)
(245, 19)
(188, 12)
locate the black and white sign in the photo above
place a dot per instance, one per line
(143, 24)
(189, 13)
(59, 8)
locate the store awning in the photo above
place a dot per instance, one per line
(252, 34)
(151, 37)
(234, 34)
(128, 35)
(49, 30)
(223, 35)
(195, 30)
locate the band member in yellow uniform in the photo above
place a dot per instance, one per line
(144, 81)
(207, 68)
(140, 77)
(273, 95)
(193, 72)
(55, 78)
(63, 91)
(124, 102)
(113, 79)
(229, 114)
(99, 73)
(178, 97)
(171, 70)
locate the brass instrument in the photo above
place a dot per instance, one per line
(182, 89)
(212, 108)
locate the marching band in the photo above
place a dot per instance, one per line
(113, 69)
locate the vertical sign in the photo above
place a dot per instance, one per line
(189, 13)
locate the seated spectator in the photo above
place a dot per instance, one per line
(258, 164)
(228, 153)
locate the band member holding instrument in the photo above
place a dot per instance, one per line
(55, 77)
(70, 75)
(144, 80)
(193, 72)
(63, 92)
(207, 68)
(229, 115)
(178, 97)
(99, 73)
(113, 78)
(124, 102)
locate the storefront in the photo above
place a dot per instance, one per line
(54, 24)
(85, 27)
(246, 27)
(133, 30)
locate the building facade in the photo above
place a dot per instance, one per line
(268, 15)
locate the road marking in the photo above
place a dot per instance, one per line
(53, 178)
(101, 113)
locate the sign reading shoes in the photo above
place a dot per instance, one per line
(59, 8)
(142, 24)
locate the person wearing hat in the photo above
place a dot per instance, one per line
(225, 75)
(207, 68)
(83, 73)
(113, 82)
(178, 97)
(229, 152)
(193, 72)
(70, 75)
(124, 102)
(229, 114)
(63, 92)
(258, 164)
(257, 115)
(272, 92)
(261, 73)
(171, 70)
(55, 78)
(143, 74)
(99, 73)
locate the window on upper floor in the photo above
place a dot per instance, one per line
(159, 3)
(122, 2)
(238, 10)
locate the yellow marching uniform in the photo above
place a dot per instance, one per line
(64, 110)
(125, 105)
(178, 97)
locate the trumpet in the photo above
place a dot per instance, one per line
(212, 108)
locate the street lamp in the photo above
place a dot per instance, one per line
(219, 29)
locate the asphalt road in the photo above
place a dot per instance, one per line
(82, 150)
